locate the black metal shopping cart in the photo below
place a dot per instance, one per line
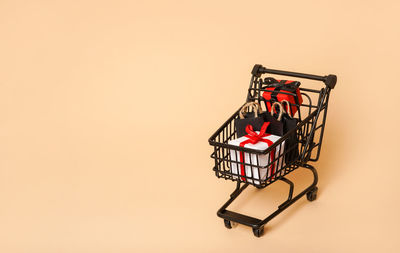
(309, 131)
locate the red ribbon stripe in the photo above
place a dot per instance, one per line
(253, 138)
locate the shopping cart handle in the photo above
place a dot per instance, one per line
(329, 80)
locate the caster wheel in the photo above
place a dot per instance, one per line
(312, 195)
(258, 232)
(228, 224)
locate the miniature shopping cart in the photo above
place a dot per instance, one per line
(311, 115)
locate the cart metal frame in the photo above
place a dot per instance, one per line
(305, 131)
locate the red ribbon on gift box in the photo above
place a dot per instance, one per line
(253, 138)
(274, 91)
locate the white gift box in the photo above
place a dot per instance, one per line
(257, 160)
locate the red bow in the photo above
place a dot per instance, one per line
(253, 137)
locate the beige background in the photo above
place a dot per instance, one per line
(106, 108)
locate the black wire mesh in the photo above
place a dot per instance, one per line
(263, 167)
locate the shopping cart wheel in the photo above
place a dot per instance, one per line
(312, 194)
(228, 224)
(258, 232)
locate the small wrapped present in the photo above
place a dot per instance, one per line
(241, 162)
(279, 90)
